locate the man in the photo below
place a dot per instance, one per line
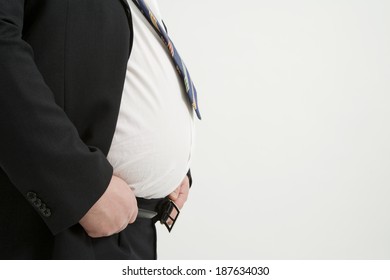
(95, 125)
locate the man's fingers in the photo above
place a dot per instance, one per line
(174, 195)
(114, 210)
(180, 201)
(179, 196)
(133, 217)
(185, 182)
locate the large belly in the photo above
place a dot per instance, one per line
(152, 144)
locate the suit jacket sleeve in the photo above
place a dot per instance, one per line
(40, 149)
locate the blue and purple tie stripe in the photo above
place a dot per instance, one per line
(180, 66)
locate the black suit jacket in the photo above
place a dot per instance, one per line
(62, 70)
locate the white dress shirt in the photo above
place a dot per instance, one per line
(153, 140)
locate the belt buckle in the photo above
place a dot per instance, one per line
(166, 215)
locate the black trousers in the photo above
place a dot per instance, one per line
(137, 242)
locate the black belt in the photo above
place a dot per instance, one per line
(159, 209)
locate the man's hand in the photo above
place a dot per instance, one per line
(180, 194)
(115, 209)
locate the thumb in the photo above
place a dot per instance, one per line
(175, 194)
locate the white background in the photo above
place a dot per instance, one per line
(292, 156)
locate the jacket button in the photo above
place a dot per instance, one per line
(46, 212)
(32, 196)
(37, 202)
(42, 207)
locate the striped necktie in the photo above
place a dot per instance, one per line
(180, 66)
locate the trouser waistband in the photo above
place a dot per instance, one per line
(165, 210)
(154, 204)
